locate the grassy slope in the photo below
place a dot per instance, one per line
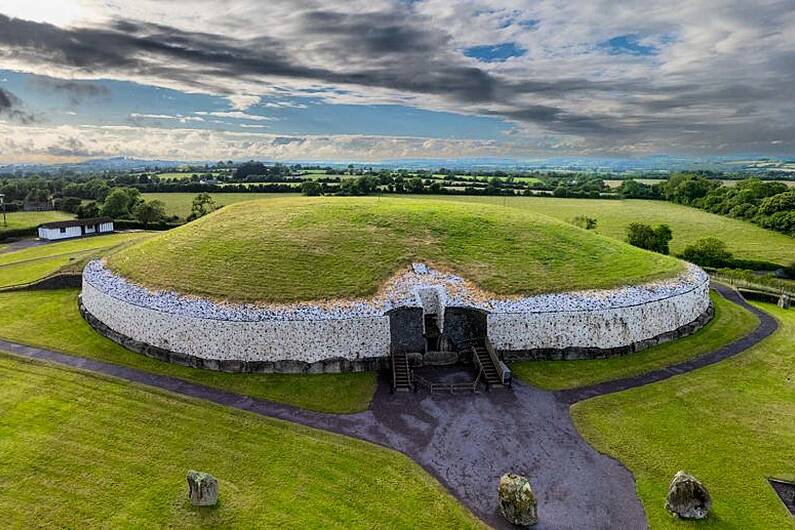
(50, 319)
(745, 240)
(17, 220)
(688, 224)
(305, 249)
(730, 424)
(81, 452)
(179, 203)
(729, 324)
(30, 264)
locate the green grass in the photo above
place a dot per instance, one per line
(730, 323)
(20, 220)
(302, 248)
(729, 424)
(180, 203)
(31, 264)
(82, 451)
(744, 239)
(50, 319)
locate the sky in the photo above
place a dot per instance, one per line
(377, 80)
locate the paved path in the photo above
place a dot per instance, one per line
(468, 443)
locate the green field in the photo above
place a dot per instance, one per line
(179, 203)
(688, 224)
(83, 451)
(22, 220)
(31, 264)
(729, 424)
(730, 323)
(50, 319)
(279, 247)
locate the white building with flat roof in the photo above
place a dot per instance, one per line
(75, 228)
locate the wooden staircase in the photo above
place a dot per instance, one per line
(490, 376)
(401, 373)
(494, 372)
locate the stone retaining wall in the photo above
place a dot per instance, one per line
(358, 335)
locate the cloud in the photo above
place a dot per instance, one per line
(11, 107)
(235, 114)
(594, 77)
(76, 91)
(243, 101)
(179, 117)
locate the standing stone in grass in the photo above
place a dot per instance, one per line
(784, 301)
(517, 501)
(203, 488)
(687, 497)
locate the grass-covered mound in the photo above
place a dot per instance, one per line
(298, 248)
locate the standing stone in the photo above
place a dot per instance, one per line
(517, 501)
(784, 301)
(202, 488)
(687, 497)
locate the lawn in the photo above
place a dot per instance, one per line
(730, 323)
(180, 203)
(746, 240)
(50, 319)
(729, 424)
(22, 220)
(82, 451)
(301, 248)
(34, 263)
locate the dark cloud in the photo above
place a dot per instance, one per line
(395, 56)
(11, 107)
(76, 91)
(71, 146)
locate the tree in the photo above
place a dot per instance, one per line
(707, 252)
(120, 202)
(88, 210)
(202, 204)
(311, 188)
(149, 212)
(778, 203)
(654, 239)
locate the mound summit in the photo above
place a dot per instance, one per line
(301, 249)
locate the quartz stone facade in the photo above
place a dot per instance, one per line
(358, 334)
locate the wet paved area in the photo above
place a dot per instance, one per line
(467, 441)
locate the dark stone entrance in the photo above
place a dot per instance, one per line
(464, 325)
(406, 330)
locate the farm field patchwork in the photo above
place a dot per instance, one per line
(359, 243)
(180, 203)
(744, 239)
(51, 319)
(730, 323)
(729, 424)
(84, 451)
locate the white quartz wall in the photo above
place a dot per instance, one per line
(358, 330)
(297, 340)
(597, 328)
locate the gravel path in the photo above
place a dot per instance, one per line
(467, 442)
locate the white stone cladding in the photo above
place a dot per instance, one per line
(359, 329)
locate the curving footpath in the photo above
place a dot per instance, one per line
(468, 443)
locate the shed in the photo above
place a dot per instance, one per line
(75, 228)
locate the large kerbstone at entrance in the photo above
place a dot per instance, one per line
(687, 497)
(517, 501)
